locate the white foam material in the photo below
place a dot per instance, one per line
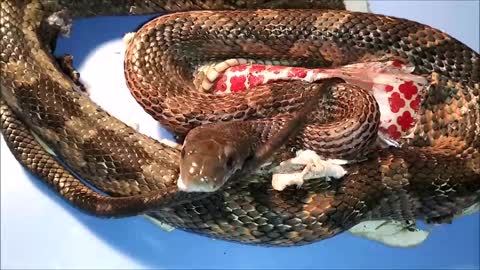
(315, 167)
(391, 233)
(127, 37)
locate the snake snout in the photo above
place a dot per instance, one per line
(200, 173)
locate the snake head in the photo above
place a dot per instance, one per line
(206, 164)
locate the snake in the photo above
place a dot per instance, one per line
(107, 169)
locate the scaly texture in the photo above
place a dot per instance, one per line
(433, 176)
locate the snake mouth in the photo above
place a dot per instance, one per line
(203, 185)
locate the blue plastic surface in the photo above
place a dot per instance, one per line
(40, 230)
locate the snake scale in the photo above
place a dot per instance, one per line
(433, 176)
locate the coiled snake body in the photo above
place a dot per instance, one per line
(433, 176)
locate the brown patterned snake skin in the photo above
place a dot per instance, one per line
(432, 177)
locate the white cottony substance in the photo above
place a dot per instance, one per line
(390, 232)
(127, 37)
(315, 167)
(398, 234)
(281, 180)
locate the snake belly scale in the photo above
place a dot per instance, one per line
(433, 176)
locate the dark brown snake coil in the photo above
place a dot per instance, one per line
(433, 176)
